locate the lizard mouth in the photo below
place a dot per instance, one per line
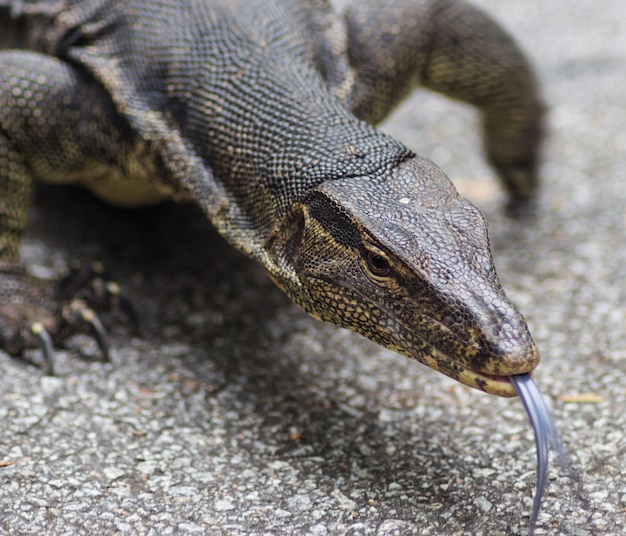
(489, 383)
(446, 361)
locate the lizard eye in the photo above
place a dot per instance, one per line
(377, 264)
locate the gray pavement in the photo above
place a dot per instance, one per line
(232, 412)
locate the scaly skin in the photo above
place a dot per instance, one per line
(348, 247)
(260, 112)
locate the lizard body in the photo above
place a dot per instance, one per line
(262, 113)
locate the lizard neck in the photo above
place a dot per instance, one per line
(269, 147)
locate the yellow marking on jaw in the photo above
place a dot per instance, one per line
(468, 377)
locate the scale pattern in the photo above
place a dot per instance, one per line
(262, 113)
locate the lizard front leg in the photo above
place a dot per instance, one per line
(454, 48)
(42, 100)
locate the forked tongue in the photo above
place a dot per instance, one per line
(545, 435)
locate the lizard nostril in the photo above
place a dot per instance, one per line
(505, 352)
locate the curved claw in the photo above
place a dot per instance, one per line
(119, 300)
(90, 285)
(45, 343)
(97, 332)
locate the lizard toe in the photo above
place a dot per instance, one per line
(79, 318)
(39, 313)
(45, 344)
(92, 284)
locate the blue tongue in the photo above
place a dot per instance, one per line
(545, 435)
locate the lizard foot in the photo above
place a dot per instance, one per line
(38, 313)
(92, 284)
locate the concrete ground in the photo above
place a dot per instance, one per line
(232, 412)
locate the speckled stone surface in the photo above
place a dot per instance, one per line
(232, 412)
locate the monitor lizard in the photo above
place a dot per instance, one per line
(263, 113)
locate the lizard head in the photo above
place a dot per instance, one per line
(405, 261)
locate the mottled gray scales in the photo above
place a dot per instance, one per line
(261, 113)
(454, 48)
